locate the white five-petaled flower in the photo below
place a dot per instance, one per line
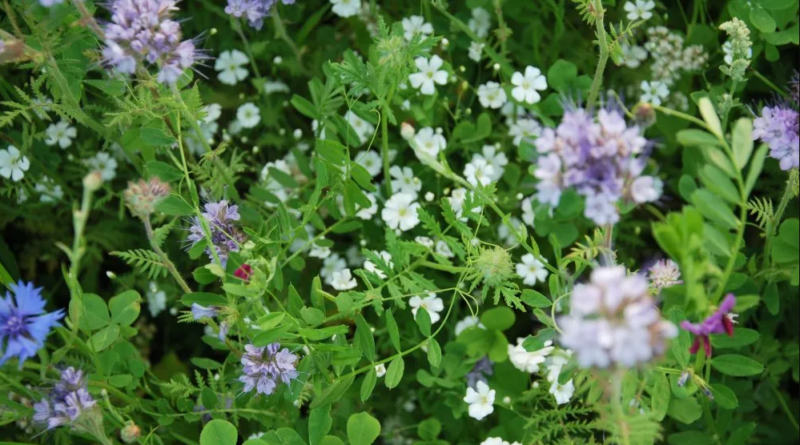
(481, 22)
(346, 8)
(532, 270)
(654, 92)
(362, 128)
(48, 190)
(13, 164)
(343, 280)
(529, 362)
(416, 25)
(497, 160)
(633, 55)
(404, 181)
(331, 265)
(478, 172)
(230, 65)
(105, 164)
(429, 142)
(400, 212)
(248, 115)
(469, 322)
(476, 51)
(492, 95)
(432, 304)
(562, 393)
(481, 402)
(429, 75)
(61, 134)
(371, 161)
(367, 213)
(525, 129)
(528, 85)
(641, 10)
(380, 370)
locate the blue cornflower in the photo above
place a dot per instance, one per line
(24, 325)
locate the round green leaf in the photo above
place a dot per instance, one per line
(219, 432)
(362, 429)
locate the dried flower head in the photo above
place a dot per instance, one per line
(142, 197)
(494, 266)
(663, 274)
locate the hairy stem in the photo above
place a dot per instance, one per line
(164, 258)
(597, 83)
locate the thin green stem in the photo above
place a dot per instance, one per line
(237, 26)
(785, 406)
(597, 83)
(773, 222)
(280, 32)
(770, 84)
(164, 258)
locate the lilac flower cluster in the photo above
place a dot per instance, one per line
(599, 159)
(253, 10)
(265, 368)
(613, 320)
(24, 325)
(480, 373)
(779, 127)
(66, 402)
(720, 322)
(221, 217)
(143, 30)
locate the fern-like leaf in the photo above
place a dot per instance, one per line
(145, 261)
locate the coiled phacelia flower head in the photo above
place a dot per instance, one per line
(597, 156)
(226, 237)
(253, 10)
(142, 31)
(613, 320)
(66, 403)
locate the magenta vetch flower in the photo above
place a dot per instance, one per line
(143, 31)
(717, 323)
(265, 368)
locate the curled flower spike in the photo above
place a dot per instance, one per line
(717, 323)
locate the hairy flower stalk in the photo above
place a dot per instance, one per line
(143, 32)
(614, 321)
(267, 367)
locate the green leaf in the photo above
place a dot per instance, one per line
(394, 332)
(125, 307)
(155, 137)
(690, 437)
(319, 424)
(163, 170)
(712, 208)
(434, 353)
(535, 343)
(742, 142)
(737, 365)
(561, 75)
(429, 429)
(423, 319)
(269, 336)
(331, 440)
(724, 396)
(499, 318)
(535, 299)
(206, 363)
(312, 316)
(686, 411)
(696, 138)
(94, 314)
(718, 182)
(204, 299)
(364, 339)
(395, 372)
(104, 338)
(710, 116)
(762, 20)
(305, 107)
(333, 392)
(660, 397)
(219, 432)
(362, 429)
(368, 385)
(174, 205)
(741, 337)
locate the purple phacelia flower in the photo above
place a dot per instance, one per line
(265, 368)
(253, 10)
(66, 402)
(598, 157)
(779, 127)
(480, 373)
(24, 325)
(225, 235)
(719, 322)
(143, 31)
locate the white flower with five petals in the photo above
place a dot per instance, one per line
(481, 401)
(429, 75)
(528, 85)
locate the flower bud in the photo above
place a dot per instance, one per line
(684, 378)
(93, 181)
(143, 197)
(130, 433)
(407, 131)
(494, 265)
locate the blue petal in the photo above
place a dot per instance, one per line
(29, 299)
(39, 327)
(19, 347)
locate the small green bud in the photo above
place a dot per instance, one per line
(494, 265)
(130, 433)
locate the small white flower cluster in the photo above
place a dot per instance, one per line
(613, 320)
(231, 67)
(346, 8)
(156, 299)
(497, 441)
(641, 10)
(671, 58)
(480, 400)
(487, 167)
(61, 134)
(105, 164)
(208, 128)
(416, 25)
(532, 270)
(552, 359)
(13, 164)
(49, 191)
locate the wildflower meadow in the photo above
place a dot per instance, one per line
(433, 222)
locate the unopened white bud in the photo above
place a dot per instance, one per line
(496, 67)
(111, 275)
(277, 60)
(213, 31)
(445, 43)
(93, 181)
(407, 131)
(429, 196)
(298, 134)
